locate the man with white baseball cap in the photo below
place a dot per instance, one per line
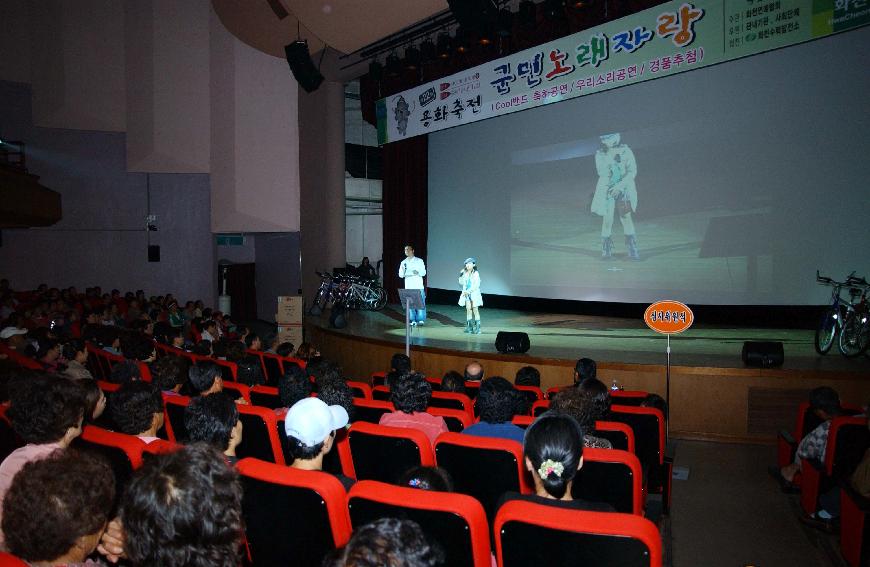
(311, 427)
(13, 337)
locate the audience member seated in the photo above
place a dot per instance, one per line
(400, 364)
(825, 404)
(528, 376)
(137, 409)
(249, 370)
(473, 372)
(388, 542)
(14, 338)
(337, 393)
(586, 408)
(204, 378)
(293, 386)
(310, 425)
(453, 382)
(164, 519)
(553, 453)
(585, 369)
(94, 398)
(284, 349)
(56, 510)
(209, 331)
(427, 478)
(214, 420)
(170, 374)
(306, 352)
(76, 353)
(657, 402)
(202, 348)
(496, 403)
(48, 355)
(410, 395)
(323, 370)
(253, 341)
(47, 413)
(600, 394)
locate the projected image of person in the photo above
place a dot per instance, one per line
(615, 193)
(412, 269)
(470, 298)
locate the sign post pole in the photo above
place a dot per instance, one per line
(668, 318)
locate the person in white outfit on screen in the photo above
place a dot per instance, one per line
(470, 298)
(412, 269)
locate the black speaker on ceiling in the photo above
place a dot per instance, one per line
(474, 14)
(762, 354)
(507, 342)
(153, 253)
(306, 74)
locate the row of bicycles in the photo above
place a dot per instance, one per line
(847, 320)
(350, 291)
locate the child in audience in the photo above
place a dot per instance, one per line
(427, 478)
(528, 376)
(388, 542)
(56, 510)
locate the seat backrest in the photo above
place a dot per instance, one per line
(360, 389)
(620, 435)
(540, 407)
(456, 521)
(381, 393)
(848, 440)
(229, 370)
(531, 393)
(108, 387)
(173, 409)
(452, 400)
(482, 467)
(265, 396)
(9, 560)
(472, 389)
(259, 435)
(528, 533)
(292, 517)
(648, 425)
(237, 390)
(273, 367)
(611, 476)
(628, 397)
(378, 378)
(159, 447)
(94, 363)
(456, 420)
(370, 410)
(554, 390)
(523, 420)
(123, 452)
(384, 453)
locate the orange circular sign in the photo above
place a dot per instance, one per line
(668, 317)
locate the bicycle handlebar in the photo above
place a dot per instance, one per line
(851, 280)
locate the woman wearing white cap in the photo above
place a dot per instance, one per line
(469, 282)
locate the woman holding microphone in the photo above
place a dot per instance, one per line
(469, 282)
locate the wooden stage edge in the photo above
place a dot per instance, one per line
(731, 405)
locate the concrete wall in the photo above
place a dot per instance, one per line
(101, 239)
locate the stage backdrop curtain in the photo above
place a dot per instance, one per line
(405, 194)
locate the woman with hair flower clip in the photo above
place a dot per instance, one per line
(553, 453)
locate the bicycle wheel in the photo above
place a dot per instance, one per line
(854, 335)
(382, 299)
(826, 332)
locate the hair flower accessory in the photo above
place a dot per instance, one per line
(418, 483)
(550, 466)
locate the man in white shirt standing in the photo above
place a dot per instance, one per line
(412, 269)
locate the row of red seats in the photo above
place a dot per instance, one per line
(848, 439)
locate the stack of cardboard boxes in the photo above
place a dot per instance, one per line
(289, 319)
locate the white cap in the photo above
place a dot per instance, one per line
(310, 420)
(11, 332)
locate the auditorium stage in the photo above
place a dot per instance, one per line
(713, 395)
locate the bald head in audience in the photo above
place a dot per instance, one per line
(474, 371)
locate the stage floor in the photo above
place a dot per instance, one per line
(611, 340)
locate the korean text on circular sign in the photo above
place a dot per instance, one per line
(668, 317)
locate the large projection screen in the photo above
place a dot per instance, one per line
(745, 178)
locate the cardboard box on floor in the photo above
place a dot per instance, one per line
(291, 334)
(289, 310)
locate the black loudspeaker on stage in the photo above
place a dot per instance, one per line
(762, 354)
(307, 75)
(508, 342)
(338, 317)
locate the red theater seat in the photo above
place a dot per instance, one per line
(456, 521)
(527, 533)
(384, 453)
